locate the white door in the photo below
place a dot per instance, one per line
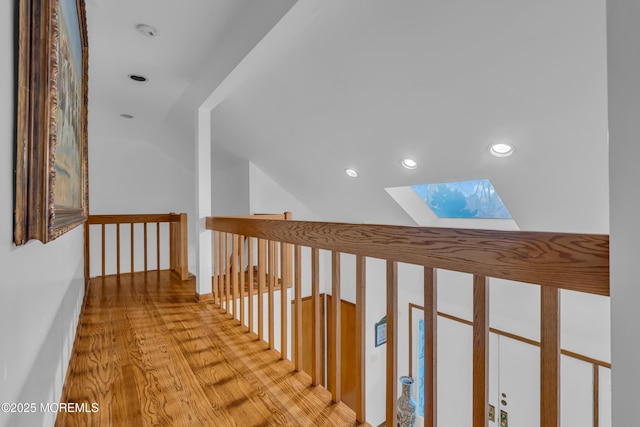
(518, 397)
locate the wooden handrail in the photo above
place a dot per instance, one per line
(577, 262)
(178, 240)
(554, 261)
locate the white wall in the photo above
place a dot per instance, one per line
(229, 183)
(41, 288)
(140, 176)
(267, 196)
(624, 151)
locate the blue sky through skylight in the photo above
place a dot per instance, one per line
(463, 199)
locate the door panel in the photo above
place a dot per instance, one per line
(519, 383)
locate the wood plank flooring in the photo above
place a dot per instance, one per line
(149, 355)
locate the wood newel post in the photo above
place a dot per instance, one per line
(480, 351)
(550, 357)
(184, 247)
(392, 341)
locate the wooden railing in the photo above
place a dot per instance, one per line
(554, 261)
(111, 225)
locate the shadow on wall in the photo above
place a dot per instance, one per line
(46, 378)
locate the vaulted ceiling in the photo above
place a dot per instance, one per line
(321, 85)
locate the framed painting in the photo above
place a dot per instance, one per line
(51, 177)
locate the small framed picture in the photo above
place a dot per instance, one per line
(381, 331)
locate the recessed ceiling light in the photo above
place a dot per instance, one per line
(502, 149)
(409, 164)
(351, 172)
(138, 78)
(126, 116)
(147, 30)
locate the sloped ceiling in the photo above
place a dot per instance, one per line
(364, 83)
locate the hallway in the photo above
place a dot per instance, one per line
(148, 354)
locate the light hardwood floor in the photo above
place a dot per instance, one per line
(150, 355)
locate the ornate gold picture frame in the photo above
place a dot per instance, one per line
(51, 178)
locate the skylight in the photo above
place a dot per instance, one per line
(464, 199)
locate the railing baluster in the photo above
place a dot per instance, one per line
(250, 279)
(132, 248)
(316, 358)
(221, 284)
(215, 284)
(297, 318)
(480, 351)
(262, 249)
(118, 248)
(336, 309)
(234, 275)
(227, 270)
(550, 357)
(392, 343)
(361, 321)
(242, 283)
(158, 246)
(272, 276)
(430, 347)
(144, 224)
(285, 271)
(103, 250)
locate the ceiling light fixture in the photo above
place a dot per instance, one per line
(502, 149)
(126, 116)
(147, 30)
(409, 164)
(351, 172)
(138, 78)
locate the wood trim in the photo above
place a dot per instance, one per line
(480, 351)
(204, 297)
(361, 341)
(315, 295)
(578, 262)
(430, 347)
(550, 357)
(297, 315)
(392, 343)
(335, 330)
